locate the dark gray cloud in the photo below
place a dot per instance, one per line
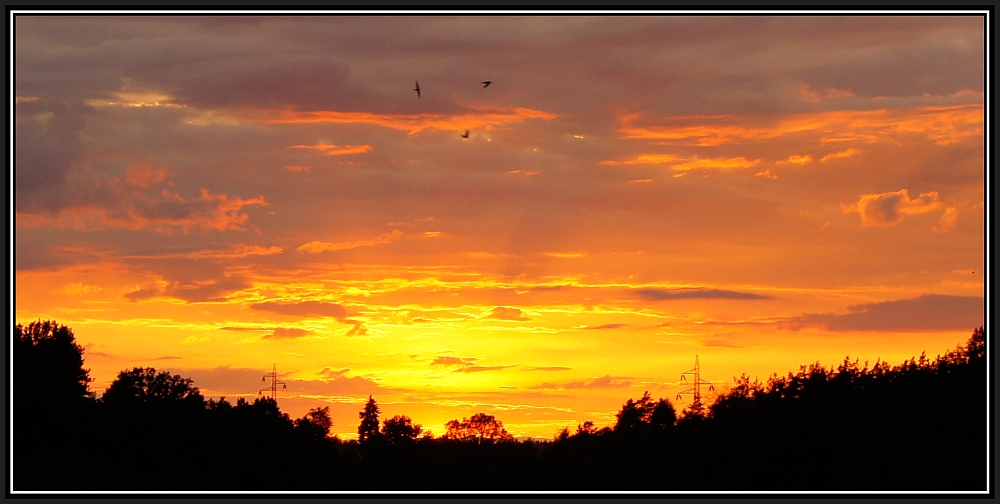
(694, 293)
(303, 309)
(47, 147)
(929, 312)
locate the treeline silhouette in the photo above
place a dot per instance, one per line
(920, 425)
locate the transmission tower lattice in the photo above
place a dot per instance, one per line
(274, 383)
(696, 384)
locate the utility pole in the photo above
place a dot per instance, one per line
(696, 384)
(274, 383)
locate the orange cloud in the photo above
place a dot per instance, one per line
(336, 150)
(943, 125)
(314, 247)
(412, 123)
(688, 164)
(565, 255)
(766, 174)
(947, 221)
(715, 164)
(888, 209)
(799, 160)
(647, 159)
(841, 154)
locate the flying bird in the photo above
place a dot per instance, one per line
(466, 135)
(487, 83)
(417, 89)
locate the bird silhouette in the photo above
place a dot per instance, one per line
(487, 83)
(417, 89)
(466, 135)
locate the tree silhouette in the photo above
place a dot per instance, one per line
(146, 386)
(315, 423)
(481, 428)
(400, 429)
(48, 366)
(368, 429)
(52, 407)
(644, 413)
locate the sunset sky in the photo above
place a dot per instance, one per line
(214, 195)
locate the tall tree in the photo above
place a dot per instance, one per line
(368, 429)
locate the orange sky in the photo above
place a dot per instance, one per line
(216, 195)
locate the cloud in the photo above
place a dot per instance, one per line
(944, 125)
(487, 118)
(132, 202)
(948, 220)
(929, 312)
(335, 150)
(504, 313)
(716, 164)
(465, 364)
(887, 209)
(607, 326)
(805, 93)
(304, 309)
(314, 247)
(328, 373)
(202, 291)
(840, 154)
(604, 382)
(548, 368)
(225, 380)
(720, 343)
(287, 333)
(47, 148)
(794, 159)
(142, 294)
(694, 293)
(477, 369)
(766, 174)
(446, 360)
(359, 329)
(681, 164)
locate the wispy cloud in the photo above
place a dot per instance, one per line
(694, 293)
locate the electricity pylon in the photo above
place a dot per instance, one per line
(274, 383)
(696, 384)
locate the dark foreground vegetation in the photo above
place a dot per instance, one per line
(920, 425)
